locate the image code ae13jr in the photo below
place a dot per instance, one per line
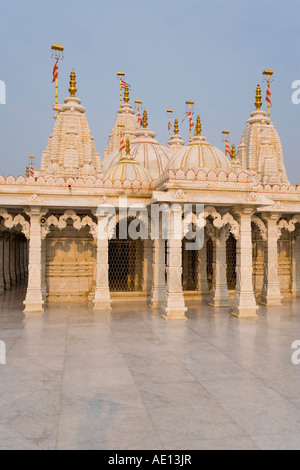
(180, 460)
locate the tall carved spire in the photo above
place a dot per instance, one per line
(126, 94)
(145, 119)
(73, 89)
(258, 101)
(176, 128)
(198, 129)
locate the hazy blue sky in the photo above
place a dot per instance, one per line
(211, 51)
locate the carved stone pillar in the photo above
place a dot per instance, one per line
(147, 268)
(6, 250)
(244, 304)
(2, 284)
(34, 301)
(22, 267)
(296, 264)
(18, 260)
(12, 258)
(175, 306)
(43, 256)
(220, 295)
(158, 274)
(26, 258)
(202, 270)
(102, 299)
(271, 295)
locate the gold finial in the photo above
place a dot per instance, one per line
(73, 89)
(27, 171)
(126, 94)
(127, 147)
(258, 101)
(198, 129)
(233, 154)
(145, 119)
(176, 128)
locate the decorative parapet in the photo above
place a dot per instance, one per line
(76, 182)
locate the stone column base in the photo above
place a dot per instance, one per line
(244, 312)
(101, 305)
(175, 314)
(32, 306)
(158, 299)
(219, 303)
(270, 301)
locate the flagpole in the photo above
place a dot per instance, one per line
(138, 102)
(268, 74)
(190, 103)
(121, 126)
(226, 133)
(170, 111)
(59, 49)
(120, 75)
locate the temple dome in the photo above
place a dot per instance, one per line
(146, 151)
(127, 168)
(199, 154)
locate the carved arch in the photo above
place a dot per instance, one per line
(78, 223)
(261, 227)
(10, 222)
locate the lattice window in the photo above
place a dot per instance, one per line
(126, 265)
(231, 262)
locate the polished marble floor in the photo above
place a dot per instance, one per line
(130, 380)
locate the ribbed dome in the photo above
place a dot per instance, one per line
(127, 169)
(145, 149)
(200, 154)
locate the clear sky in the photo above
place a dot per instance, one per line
(210, 51)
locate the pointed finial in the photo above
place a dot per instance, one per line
(258, 101)
(233, 154)
(127, 147)
(27, 171)
(198, 129)
(73, 89)
(145, 119)
(126, 94)
(176, 128)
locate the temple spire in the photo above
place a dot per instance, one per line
(198, 129)
(145, 119)
(176, 128)
(258, 101)
(73, 89)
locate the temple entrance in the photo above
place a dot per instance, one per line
(190, 271)
(125, 258)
